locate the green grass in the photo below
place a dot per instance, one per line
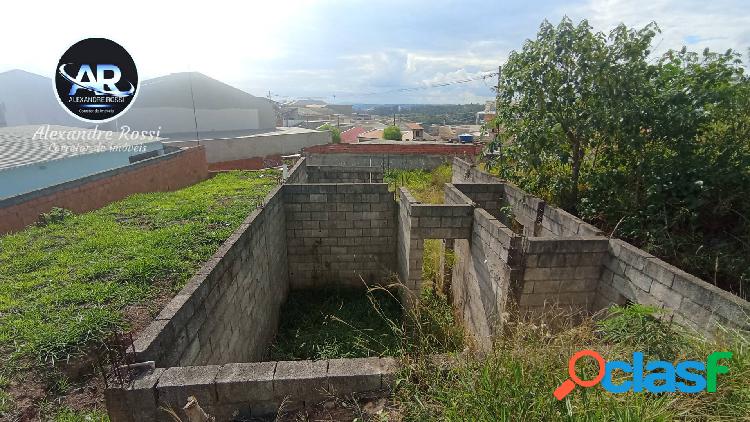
(514, 382)
(66, 414)
(64, 285)
(426, 186)
(338, 323)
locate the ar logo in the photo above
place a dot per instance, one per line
(104, 83)
(96, 80)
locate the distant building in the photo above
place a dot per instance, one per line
(371, 135)
(350, 136)
(489, 113)
(447, 134)
(29, 162)
(413, 132)
(190, 105)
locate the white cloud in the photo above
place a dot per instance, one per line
(323, 48)
(718, 24)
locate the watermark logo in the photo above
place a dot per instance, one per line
(96, 80)
(656, 376)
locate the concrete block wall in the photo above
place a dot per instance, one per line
(487, 267)
(631, 274)
(172, 171)
(564, 271)
(228, 311)
(340, 174)
(466, 172)
(298, 172)
(410, 250)
(339, 233)
(385, 161)
(560, 264)
(488, 196)
(418, 222)
(388, 154)
(535, 215)
(246, 390)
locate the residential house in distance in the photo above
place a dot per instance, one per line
(412, 132)
(372, 135)
(350, 136)
(490, 110)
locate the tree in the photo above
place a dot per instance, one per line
(335, 132)
(551, 95)
(655, 148)
(392, 133)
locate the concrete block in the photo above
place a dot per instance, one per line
(638, 278)
(587, 273)
(580, 285)
(178, 383)
(245, 382)
(694, 312)
(539, 274)
(301, 380)
(667, 296)
(136, 401)
(532, 261)
(347, 376)
(546, 286)
(660, 271)
(552, 260)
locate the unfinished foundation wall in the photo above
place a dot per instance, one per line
(631, 274)
(418, 222)
(348, 174)
(571, 262)
(487, 267)
(228, 311)
(417, 160)
(537, 218)
(298, 172)
(339, 234)
(562, 271)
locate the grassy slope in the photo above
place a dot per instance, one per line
(63, 287)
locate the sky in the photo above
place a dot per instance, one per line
(345, 51)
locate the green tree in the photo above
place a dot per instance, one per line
(335, 132)
(552, 96)
(656, 147)
(392, 133)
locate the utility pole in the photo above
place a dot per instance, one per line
(394, 119)
(494, 125)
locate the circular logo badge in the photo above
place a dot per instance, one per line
(96, 80)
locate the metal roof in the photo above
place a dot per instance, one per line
(19, 147)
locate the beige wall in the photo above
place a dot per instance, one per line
(280, 142)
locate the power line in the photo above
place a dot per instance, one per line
(430, 86)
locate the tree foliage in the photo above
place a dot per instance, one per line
(658, 147)
(335, 132)
(392, 133)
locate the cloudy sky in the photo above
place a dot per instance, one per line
(359, 51)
